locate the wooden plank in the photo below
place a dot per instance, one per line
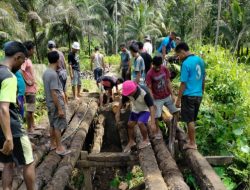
(108, 164)
(98, 136)
(220, 160)
(152, 174)
(111, 157)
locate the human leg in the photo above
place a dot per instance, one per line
(29, 176)
(7, 176)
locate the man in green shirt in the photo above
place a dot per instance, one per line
(15, 147)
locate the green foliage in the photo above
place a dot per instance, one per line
(230, 185)
(112, 60)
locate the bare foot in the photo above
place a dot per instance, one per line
(144, 144)
(190, 146)
(129, 146)
(76, 98)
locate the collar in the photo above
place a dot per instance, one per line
(188, 57)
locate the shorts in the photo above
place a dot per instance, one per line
(142, 117)
(30, 102)
(168, 102)
(125, 75)
(76, 81)
(189, 108)
(63, 83)
(20, 101)
(97, 73)
(55, 121)
(22, 153)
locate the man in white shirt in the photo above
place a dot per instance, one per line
(148, 46)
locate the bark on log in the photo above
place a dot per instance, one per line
(220, 160)
(66, 166)
(168, 166)
(204, 173)
(98, 136)
(108, 164)
(111, 157)
(152, 174)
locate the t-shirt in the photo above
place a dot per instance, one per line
(147, 61)
(148, 47)
(21, 85)
(73, 60)
(168, 43)
(28, 74)
(193, 74)
(108, 82)
(158, 82)
(125, 58)
(51, 82)
(61, 65)
(139, 66)
(8, 91)
(97, 61)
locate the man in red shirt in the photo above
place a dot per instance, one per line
(159, 84)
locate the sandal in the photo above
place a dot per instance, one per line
(128, 148)
(64, 152)
(144, 144)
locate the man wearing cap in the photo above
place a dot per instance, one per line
(142, 109)
(74, 70)
(61, 70)
(147, 45)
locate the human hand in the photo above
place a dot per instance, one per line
(7, 147)
(178, 103)
(61, 113)
(153, 126)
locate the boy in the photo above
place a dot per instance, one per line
(159, 84)
(55, 104)
(142, 109)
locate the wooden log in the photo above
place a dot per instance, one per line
(87, 179)
(66, 166)
(112, 157)
(204, 173)
(107, 164)
(152, 174)
(220, 160)
(98, 136)
(168, 166)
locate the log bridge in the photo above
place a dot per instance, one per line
(161, 172)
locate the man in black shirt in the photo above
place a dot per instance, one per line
(74, 68)
(146, 57)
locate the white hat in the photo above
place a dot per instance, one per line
(51, 44)
(76, 46)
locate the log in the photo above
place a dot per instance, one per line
(98, 136)
(204, 173)
(66, 166)
(112, 157)
(220, 160)
(170, 171)
(152, 174)
(107, 164)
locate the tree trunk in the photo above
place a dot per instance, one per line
(218, 26)
(247, 51)
(69, 43)
(33, 29)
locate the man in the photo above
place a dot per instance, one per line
(107, 84)
(160, 87)
(167, 45)
(146, 57)
(97, 64)
(31, 86)
(125, 62)
(142, 109)
(15, 147)
(21, 88)
(191, 89)
(55, 103)
(74, 70)
(61, 71)
(138, 73)
(147, 45)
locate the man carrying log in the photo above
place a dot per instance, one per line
(142, 109)
(191, 89)
(15, 146)
(55, 103)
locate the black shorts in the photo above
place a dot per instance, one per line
(22, 153)
(125, 74)
(189, 108)
(97, 73)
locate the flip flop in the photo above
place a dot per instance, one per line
(128, 148)
(188, 146)
(63, 153)
(144, 145)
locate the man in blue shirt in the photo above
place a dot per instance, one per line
(191, 89)
(167, 44)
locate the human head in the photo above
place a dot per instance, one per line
(119, 80)
(157, 61)
(172, 35)
(30, 46)
(75, 47)
(15, 52)
(178, 40)
(134, 49)
(51, 44)
(96, 48)
(53, 57)
(140, 45)
(147, 39)
(129, 87)
(182, 50)
(123, 47)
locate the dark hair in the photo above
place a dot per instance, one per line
(173, 33)
(122, 45)
(96, 48)
(12, 47)
(157, 60)
(120, 80)
(53, 57)
(134, 47)
(181, 46)
(140, 45)
(29, 45)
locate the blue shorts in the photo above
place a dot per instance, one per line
(142, 117)
(97, 73)
(76, 80)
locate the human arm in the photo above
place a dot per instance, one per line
(181, 90)
(70, 66)
(56, 102)
(150, 103)
(29, 78)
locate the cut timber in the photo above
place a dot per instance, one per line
(98, 136)
(168, 166)
(204, 173)
(66, 166)
(152, 174)
(111, 157)
(220, 160)
(108, 164)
